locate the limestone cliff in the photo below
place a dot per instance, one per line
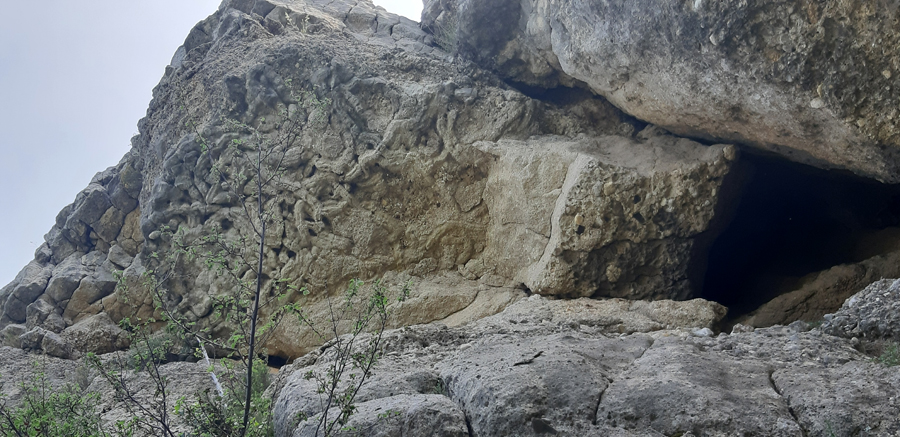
(425, 167)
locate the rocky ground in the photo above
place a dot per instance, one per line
(589, 367)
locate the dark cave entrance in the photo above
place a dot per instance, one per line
(792, 220)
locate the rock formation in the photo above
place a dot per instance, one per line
(549, 178)
(815, 82)
(424, 168)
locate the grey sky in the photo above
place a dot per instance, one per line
(75, 78)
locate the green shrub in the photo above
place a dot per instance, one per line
(48, 412)
(212, 415)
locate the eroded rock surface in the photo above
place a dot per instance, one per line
(824, 292)
(422, 168)
(873, 313)
(815, 82)
(537, 368)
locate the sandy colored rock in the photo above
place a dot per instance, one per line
(97, 334)
(824, 292)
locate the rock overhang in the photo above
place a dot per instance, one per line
(809, 81)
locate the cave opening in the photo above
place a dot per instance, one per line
(791, 220)
(276, 361)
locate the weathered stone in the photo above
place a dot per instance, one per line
(90, 205)
(25, 288)
(615, 316)
(824, 292)
(675, 388)
(97, 334)
(488, 379)
(125, 188)
(873, 313)
(193, 379)
(43, 254)
(33, 338)
(412, 415)
(819, 398)
(9, 335)
(809, 81)
(130, 237)
(119, 256)
(44, 315)
(514, 375)
(59, 244)
(411, 175)
(19, 369)
(110, 224)
(55, 346)
(66, 277)
(606, 217)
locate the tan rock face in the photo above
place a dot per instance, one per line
(420, 169)
(606, 216)
(815, 82)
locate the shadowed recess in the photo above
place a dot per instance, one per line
(792, 220)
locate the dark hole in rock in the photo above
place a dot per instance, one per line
(326, 222)
(637, 216)
(791, 220)
(579, 230)
(312, 233)
(276, 361)
(637, 198)
(291, 254)
(227, 224)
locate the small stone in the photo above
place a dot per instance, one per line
(613, 273)
(886, 74)
(817, 103)
(579, 219)
(741, 328)
(702, 332)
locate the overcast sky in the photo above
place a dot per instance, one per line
(75, 78)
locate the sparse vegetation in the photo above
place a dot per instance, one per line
(45, 411)
(250, 169)
(445, 31)
(890, 355)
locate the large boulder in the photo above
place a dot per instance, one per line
(873, 313)
(97, 334)
(607, 216)
(815, 82)
(28, 285)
